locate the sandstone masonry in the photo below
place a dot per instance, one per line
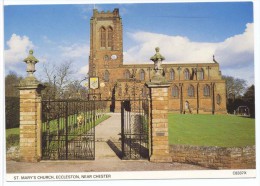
(159, 123)
(215, 157)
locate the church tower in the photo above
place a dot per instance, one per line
(106, 44)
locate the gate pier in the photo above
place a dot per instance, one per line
(30, 114)
(159, 144)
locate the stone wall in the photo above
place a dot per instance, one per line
(13, 153)
(215, 157)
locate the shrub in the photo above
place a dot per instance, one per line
(12, 140)
(12, 113)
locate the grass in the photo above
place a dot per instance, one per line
(74, 128)
(201, 130)
(12, 131)
(53, 144)
(12, 135)
(211, 130)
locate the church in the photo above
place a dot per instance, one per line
(196, 88)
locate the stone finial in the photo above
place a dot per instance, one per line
(30, 61)
(157, 58)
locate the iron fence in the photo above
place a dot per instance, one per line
(135, 129)
(68, 128)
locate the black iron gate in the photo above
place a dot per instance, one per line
(68, 129)
(134, 129)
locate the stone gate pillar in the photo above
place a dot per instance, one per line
(30, 114)
(159, 122)
(159, 113)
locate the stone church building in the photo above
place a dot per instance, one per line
(195, 87)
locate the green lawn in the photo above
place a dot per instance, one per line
(12, 131)
(202, 130)
(12, 135)
(211, 130)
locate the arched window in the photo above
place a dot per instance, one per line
(206, 90)
(142, 75)
(106, 76)
(218, 99)
(200, 74)
(103, 37)
(191, 91)
(127, 74)
(172, 74)
(186, 74)
(175, 91)
(110, 37)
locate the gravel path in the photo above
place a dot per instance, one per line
(107, 139)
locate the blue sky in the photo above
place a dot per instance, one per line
(189, 32)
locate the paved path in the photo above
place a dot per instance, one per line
(107, 138)
(107, 135)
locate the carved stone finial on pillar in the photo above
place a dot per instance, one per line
(159, 151)
(30, 61)
(30, 113)
(30, 69)
(157, 58)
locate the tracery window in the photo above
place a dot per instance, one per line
(191, 91)
(186, 74)
(172, 74)
(206, 90)
(127, 74)
(200, 74)
(175, 91)
(142, 75)
(103, 37)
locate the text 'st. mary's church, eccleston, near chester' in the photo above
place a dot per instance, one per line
(195, 87)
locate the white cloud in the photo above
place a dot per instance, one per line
(75, 51)
(173, 48)
(18, 47)
(178, 48)
(236, 52)
(84, 70)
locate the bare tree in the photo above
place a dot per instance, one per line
(76, 90)
(49, 71)
(57, 78)
(235, 86)
(63, 75)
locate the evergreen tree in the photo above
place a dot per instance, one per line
(249, 98)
